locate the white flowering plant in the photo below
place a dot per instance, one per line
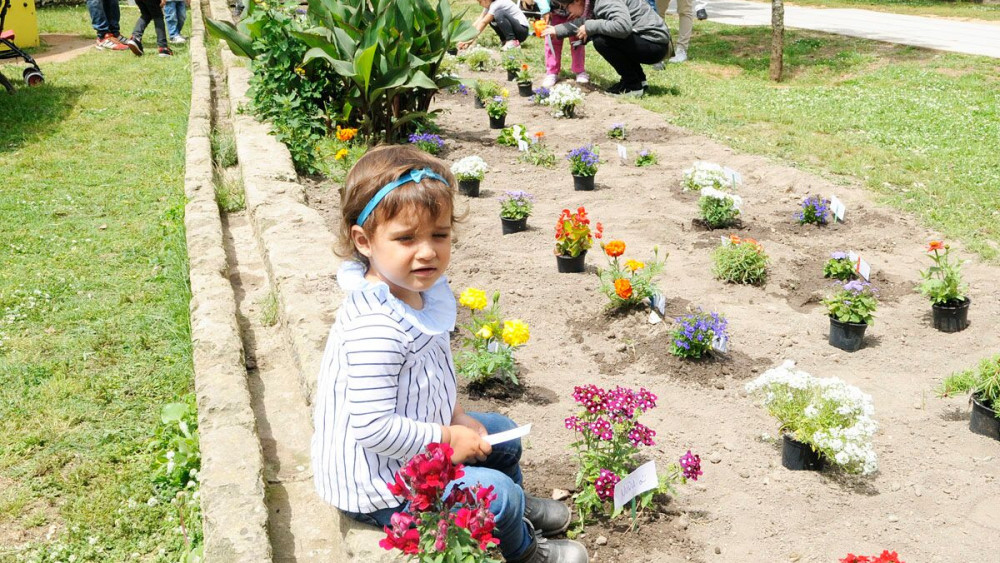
(565, 99)
(834, 418)
(718, 208)
(470, 168)
(704, 174)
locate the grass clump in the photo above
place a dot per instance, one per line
(269, 309)
(983, 381)
(740, 261)
(223, 148)
(229, 192)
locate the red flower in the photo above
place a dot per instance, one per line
(935, 245)
(402, 535)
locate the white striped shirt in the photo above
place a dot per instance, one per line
(385, 387)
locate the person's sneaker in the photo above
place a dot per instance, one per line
(512, 44)
(114, 44)
(583, 78)
(632, 91)
(178, 40)
(680, 56)
(543, 550)
(659, 66)
(616, 88)
(121, 38)
(165, 52)
(134, 46)
(549, 80)
(701, 14)
(99, 44)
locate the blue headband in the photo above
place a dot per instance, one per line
(414, 176)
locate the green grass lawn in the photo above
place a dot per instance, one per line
(94, 331)
(917, 127)
(940, 8)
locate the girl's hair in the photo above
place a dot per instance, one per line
(378, 167)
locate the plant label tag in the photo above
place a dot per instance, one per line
(654, 319)
(720, 344)
(501, 437)
(838, 208)
(659, 303)
(622, 153)
(864, 269)
(637, 482)
(493, 346)
(726, 241)
(523, 146)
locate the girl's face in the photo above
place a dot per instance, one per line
(575, 9)
(409, 252)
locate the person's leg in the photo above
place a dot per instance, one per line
(505, 457)
(577, 56)
(170, 17)
(628, 55)
(503, 28)
(181, 9)
(521, 31)
(145, 16)
(379, 518)
(685, 17)
(161, 27)
(98, 19)
(114, 15)
(508, 508)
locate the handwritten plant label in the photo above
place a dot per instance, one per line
(659, 305)
(622, 153)
(838, 208)
(861, 267)
(637, 482)
(506, 436)
(720, 343)
(726, 241)
(523, 146)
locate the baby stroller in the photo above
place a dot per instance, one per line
(32, 75)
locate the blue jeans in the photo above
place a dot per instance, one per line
(499, 469)
(104, 16)
(176, 14)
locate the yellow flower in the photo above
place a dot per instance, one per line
(515, 332)
(505, 93)
(634, 265)
(485, 332)
(473, 298)
(341, 154)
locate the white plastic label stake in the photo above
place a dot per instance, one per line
(622, 153)
(523, 146)
(838, 208)
(501, 437)
(861, 267)
(726, 241)
(658, 302)
(720, 344)
(639, 481)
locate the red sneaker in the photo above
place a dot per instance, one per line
(112, 43)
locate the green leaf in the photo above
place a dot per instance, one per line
(363, 61)
(239, 43)
(173, 412)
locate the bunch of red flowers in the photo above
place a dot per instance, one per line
(886, 557)
(445, 529)
(573, 233)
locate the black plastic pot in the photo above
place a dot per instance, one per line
(511, 74)
(497, 122)
(478, 103)
(984, 419)
(524, 89)
(469, 187)
(583, 183)
(846, 336)
(511, 226)
(799, 456)
(951, 317)
(452, 51)
(570, 265)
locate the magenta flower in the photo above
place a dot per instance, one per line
(691, 465)
(641, 434)
(605, 485)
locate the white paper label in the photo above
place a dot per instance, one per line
(639, 481)
(523, 146)
(838, 208)
(501, 437)
(654, 319)
(861, 267)
(726, 241)
(658, 302)
(622, 153)
(720, 344)
(493, 347)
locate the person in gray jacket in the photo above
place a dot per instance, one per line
(627, 33)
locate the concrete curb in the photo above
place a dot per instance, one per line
(232, 466)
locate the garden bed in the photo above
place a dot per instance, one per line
(935, 496)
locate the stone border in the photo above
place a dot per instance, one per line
(232, 464)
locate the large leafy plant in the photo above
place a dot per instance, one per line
(388, 53)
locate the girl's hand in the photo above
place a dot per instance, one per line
(463, 419)
(581, 33)
(463, 45)
(466, 443)
(551, 30)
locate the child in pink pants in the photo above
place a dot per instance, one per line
(553, 55)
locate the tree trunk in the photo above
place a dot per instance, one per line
(777, 38)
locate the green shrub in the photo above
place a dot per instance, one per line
(741, 261)
(982, 381)
(718, 209)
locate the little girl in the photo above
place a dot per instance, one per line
(553, 47)
(506, 19)
(387, 385)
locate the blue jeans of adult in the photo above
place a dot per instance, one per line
(105, 16)
(501, 470)
(175, 13)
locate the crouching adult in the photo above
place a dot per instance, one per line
(627, 33)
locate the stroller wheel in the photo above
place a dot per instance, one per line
(33, 77)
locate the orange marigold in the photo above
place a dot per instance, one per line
(935, 245)
(623, 288)
(346, 134)
(614, 248)
(524, 66)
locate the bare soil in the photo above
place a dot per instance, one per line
(936, 496)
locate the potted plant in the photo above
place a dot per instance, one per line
(485, 90)
(740, 260)
(513, 135)
(718, 208)
(628, 284)
(696, 334)
(943, 285)
(703, 174)
(512, 62)
(983, 385)
(565, 99)
(524, 81)
(541, 96)
(815, 210)
(491, 341)
(573, 239)
(823, 420)
(479, 59)
(583, 163)
(469, 171)
(427, 142)
(851, 310)
(609, 438)
(515, 207)
(839, 267)
(496, 108)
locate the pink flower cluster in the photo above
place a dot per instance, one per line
(620, 403)
(691, 466)
(464, 513)
(605, 485)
